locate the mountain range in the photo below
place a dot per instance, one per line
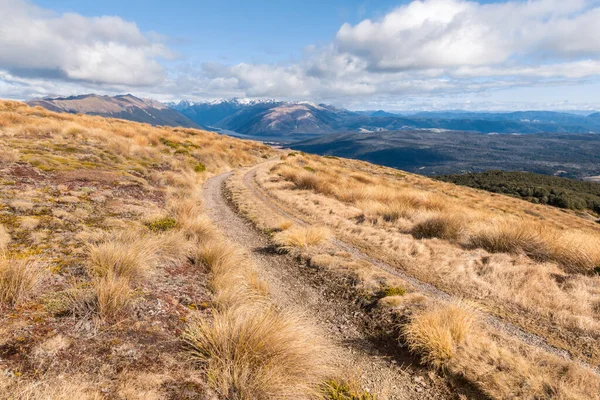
(126, 107)
(297, 120)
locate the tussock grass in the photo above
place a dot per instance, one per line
(19, 278)
(106, 298)
(4, 238)
(436, 334)
(302, 237)
(232, 280)
(442, 226)
(505, 236)
(125, 254)
(574, 251)
(258, 353)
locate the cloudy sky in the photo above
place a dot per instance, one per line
(360, 54)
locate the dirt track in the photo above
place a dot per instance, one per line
(394, 376)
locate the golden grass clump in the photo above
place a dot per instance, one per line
(105, 298)
(19, 278)
(125, 254)
(4, 238)
(510, 236)
(436, 334)
(258, 352)
(576, 251)
(302, 237)
(442, 226)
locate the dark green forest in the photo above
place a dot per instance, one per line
(540, 189)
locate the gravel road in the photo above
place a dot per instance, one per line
(388, 376)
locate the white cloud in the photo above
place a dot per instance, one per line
(424, 49)
(103, 50)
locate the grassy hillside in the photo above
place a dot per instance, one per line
(489, 254)
(539, 189)
(113, 282)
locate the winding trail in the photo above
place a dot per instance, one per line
(492, 320)
(391, 376)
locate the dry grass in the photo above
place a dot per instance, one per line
(19, 278)
(79, 196)
(436, 334)
(514, 237)
(76, 387)
(4, 238)
(574, 251)
(443, 226)
(124, 254)
(302, 237)
(105, 298)
(258, 353)
(232, 279)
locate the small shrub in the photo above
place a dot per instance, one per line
(162, 224)
(19, 278)
(343, 390)
(169, 143)
(393, 291)
(200, 167)
(435, 334)
(310, 169)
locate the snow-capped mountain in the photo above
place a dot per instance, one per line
(265, 117)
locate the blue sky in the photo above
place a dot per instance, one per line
(395, 55)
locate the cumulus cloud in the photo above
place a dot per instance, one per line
(439, 47)
(36, 43)
(424, 48)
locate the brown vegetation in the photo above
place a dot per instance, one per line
(533, 268)
(99, 219)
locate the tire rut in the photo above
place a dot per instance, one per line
(332, 316)
(494, 321)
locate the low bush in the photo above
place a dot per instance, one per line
(344, 390)
(393, 291)
(162, 224)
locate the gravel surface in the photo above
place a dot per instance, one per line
(388, 376)
(495, 322)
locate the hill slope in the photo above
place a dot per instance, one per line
(126, 107)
